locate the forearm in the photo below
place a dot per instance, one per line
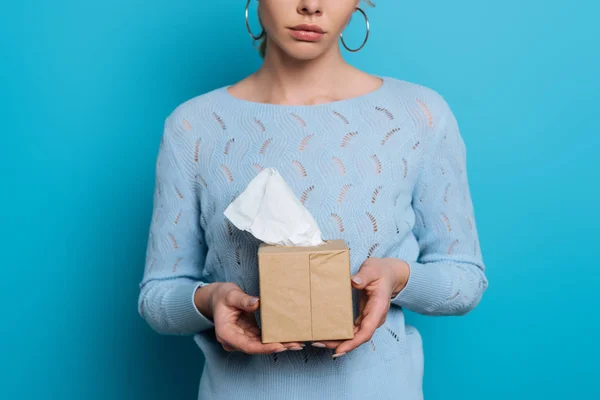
(448, 278)
(442, 288)
(169, 306)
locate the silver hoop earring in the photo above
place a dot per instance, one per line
(248, 24)
(366, 37)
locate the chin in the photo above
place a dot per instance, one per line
(304, 51)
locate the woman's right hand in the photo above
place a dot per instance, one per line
(235, 326)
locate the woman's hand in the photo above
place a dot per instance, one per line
(235, 327)
(379, 280)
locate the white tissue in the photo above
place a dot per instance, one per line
(270, 211)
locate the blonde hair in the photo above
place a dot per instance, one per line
(263, 43)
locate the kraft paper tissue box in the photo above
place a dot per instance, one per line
(305, 292)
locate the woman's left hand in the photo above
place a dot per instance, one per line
(379, 280)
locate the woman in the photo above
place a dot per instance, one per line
(378, 162)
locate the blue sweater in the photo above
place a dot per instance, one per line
(386, 171)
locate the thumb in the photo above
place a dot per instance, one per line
(365, 275)
(243, 301)
(249, 303)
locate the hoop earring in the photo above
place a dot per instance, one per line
(248, 25)
(366, 37)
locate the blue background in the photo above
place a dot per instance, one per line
(85, 87)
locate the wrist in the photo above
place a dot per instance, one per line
(401, 272)
(203, 299)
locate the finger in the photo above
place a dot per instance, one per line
(251, 345)
(251, 334)
(327, 344)
(257, 347)
(249, 340)
(365, 275)
(332, 344)
(361, 337)
(362, 300)
(247, 321)
(288, 345)
(294, 346)
(247, 324)
(369, 324)
(359, 319)
(242, 301)
(228, 347)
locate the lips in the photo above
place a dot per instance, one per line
(307, 32)
(308, 28)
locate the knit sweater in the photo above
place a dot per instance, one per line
(385, 171)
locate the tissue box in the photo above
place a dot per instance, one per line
(305, 292)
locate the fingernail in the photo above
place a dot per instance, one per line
(338, 355)
(317, 344)
(356, 280)
(280, 350)
(253, 301)
(295, 348)
(302, 345)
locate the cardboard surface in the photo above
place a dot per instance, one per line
(331, 296)
(285, 311)
(305, 292)
(330, 245)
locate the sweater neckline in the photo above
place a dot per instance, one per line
(337, 103)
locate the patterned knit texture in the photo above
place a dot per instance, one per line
(385, 171)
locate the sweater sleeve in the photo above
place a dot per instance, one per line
(448, 277)
(176, 250)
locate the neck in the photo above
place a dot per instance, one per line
(286, 80)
